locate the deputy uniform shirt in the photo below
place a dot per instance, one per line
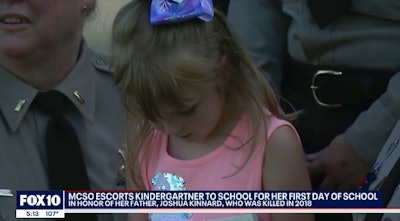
(387, 158)
(97, 120)
(367, 36)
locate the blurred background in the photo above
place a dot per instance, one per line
(97, 30)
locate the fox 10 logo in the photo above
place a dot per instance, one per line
(40, 200)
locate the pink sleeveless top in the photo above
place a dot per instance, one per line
(217, 170)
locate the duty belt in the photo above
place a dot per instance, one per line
(334, 87)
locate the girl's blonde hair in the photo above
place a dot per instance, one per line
(151, 63)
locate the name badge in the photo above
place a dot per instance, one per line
(5, 193)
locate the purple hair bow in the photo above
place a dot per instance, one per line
(173, 11)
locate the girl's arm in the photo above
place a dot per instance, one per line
(285, 168)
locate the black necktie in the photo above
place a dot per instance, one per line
(66, 167)
(326, 11)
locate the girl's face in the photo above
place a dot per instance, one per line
(197, 119)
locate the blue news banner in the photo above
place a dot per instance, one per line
(54, 204)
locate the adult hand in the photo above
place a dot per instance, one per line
(340, 165)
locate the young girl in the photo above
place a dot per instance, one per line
(202, 116)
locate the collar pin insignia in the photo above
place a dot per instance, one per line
(79, 97)
(21, 103)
